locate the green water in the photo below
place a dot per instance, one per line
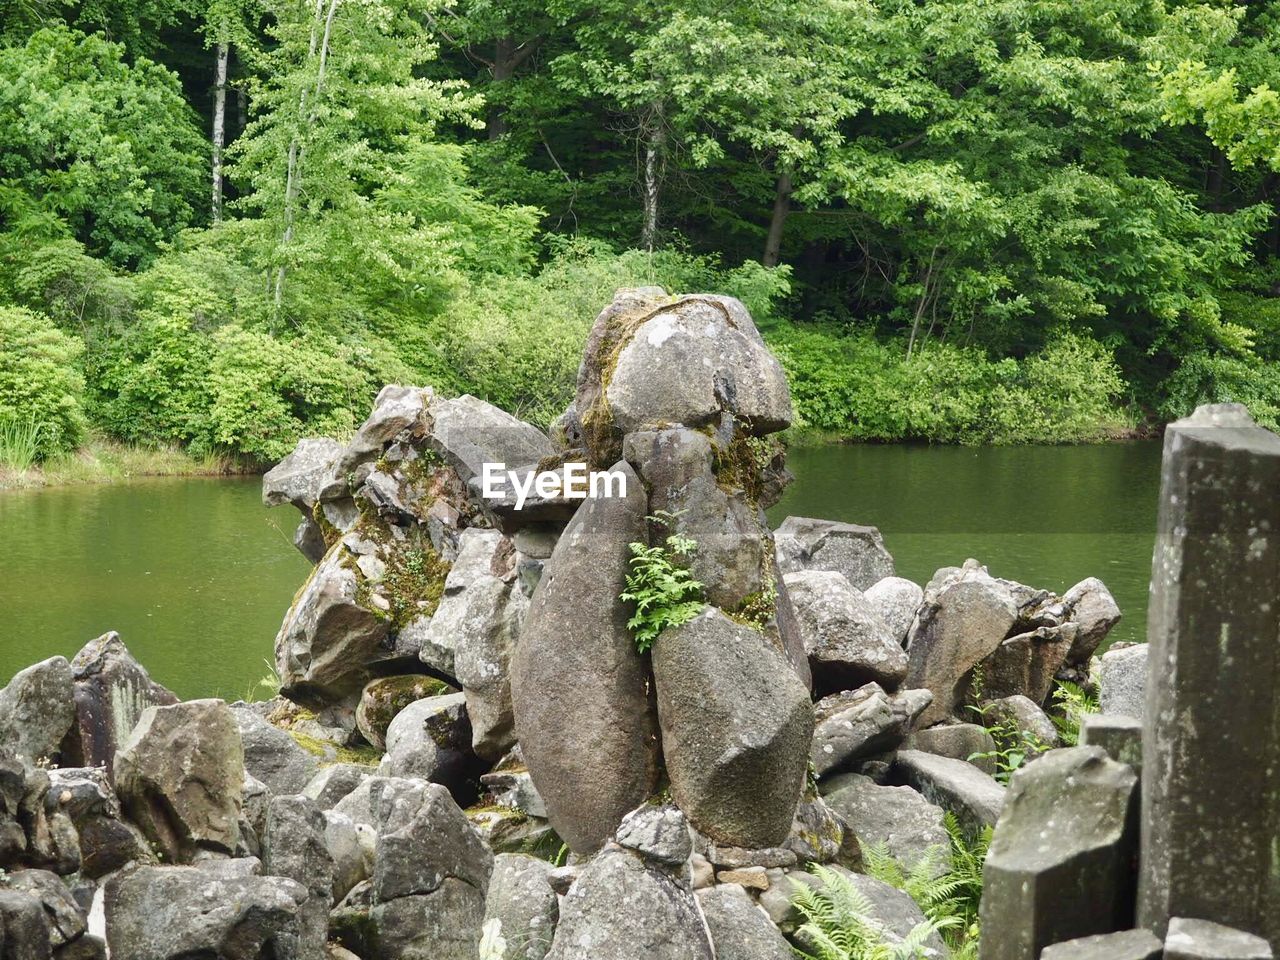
(196, 574)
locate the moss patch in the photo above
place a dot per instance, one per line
(331, 753)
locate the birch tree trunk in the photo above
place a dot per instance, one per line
(654, 140)
(219, 126)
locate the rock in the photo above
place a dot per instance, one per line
(1208, 785)
(1125, 945)
(174, 913)
(111, 691)
(525, 907)
(959, 741)
(1122, 681)
(271, 755)
(1095, 612)
(859, 724)
(857, 552)
(658, 833)
(468, 433)
(179, 777)
(351, 845)
(704, 874)
(431, 872)
(1060, 864)
(64, 918)
(685, 362)
(308, 537)
(749, 878)
(24, 929)
(299, 477)
(1025, 664)
(734, 559)
(739, 929)
(818, 833)
(442, 925)
(1119, 736)
(423, 839)
(431, 740)
(294, 846)
(955, 630)
(511, 785)
(37, 709)
(896, 599)
(483, 610)
(736, 729)
(579, 689)
(329, 636)
(1025, 717)
(332, 783)
(954, 785)
(107, 841)
(385, 697)
(621, 909)
(898, 819)
(1204, 940)
(847, 641)
(734, 858)
(395, 410)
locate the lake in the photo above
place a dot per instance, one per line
(196, 574)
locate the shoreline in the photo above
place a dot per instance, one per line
(105, 461)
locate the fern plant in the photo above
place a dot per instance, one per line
(664, 592)
(839, 924)
(947, 894)
(1072, 704)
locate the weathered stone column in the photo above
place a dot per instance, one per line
(1211, 745)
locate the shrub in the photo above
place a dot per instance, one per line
(1215, 378)
(40, 380)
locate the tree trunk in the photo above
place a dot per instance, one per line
(503, 68)
(219, 126)
(777, 221)
(293, 175)
(654, 137)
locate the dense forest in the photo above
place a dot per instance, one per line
(224, 224)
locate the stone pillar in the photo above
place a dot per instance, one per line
(1211, 744)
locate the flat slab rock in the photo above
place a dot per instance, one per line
(954, 785)
(1125, 945)
(898, 819)
(1203, 940)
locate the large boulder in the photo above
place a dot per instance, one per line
(1190, 939)
(624, 909)
(739, 929)
(294, 846)
(858, 552)
(331, 633)
(897, 820)
(481, 611)
(63, 916)
(1026, 663)
(431, 740)
(579, 688)
(1095, 611)
(1122, 681)
(107, 840)
(959, 741)
(468, 432)
(180, 776)
(896, 599)
(384, 697)
(299, 478)
(847, 641)
(1039, 890)
(270, 754)
(863, 723)
(957, 627)
(1123, 945)
(111, 691)
(974, 797)
(176, 913)
(651, 361)
(521, 906)
(37, 709)
(736, 729)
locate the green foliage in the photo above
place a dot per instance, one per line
(839, 925)
(41, 386)
(664, 593)
(1014, 746)
(868, 390)
(19, 443)
(946, 884)
(108, 147)
(1072, 703)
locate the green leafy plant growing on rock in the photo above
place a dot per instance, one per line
(1072, 703)
(664, 592)
(948, 896)
(1014, 748)
(839, 924)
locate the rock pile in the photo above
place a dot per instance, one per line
(472, 753)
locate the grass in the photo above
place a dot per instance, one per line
(102, 460)
(19, 444)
